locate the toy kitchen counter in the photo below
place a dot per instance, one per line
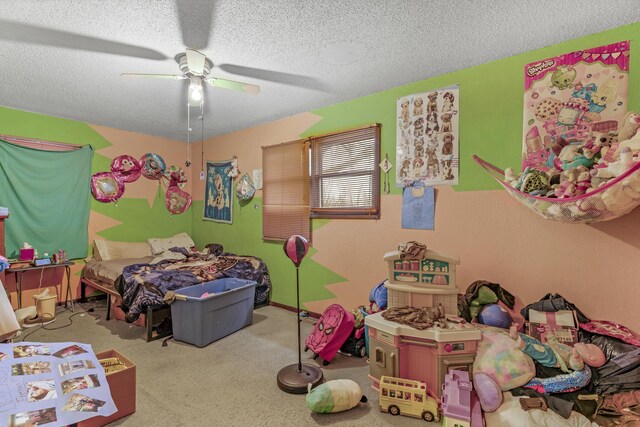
(427, 355)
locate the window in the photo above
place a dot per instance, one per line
(344, 181)
(345, 177)
(285, 210)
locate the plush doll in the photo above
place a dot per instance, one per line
(488, 391)
(533, 181)
(629, 126)
(510, 177)
(335, 396)
(567, 185)
(583, 181)
(579, 160)
(233, 171)
(599, 144)
(617, 168)
(569, 152)
(633, 144)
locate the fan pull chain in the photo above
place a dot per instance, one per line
(188, 162)
(202, 142)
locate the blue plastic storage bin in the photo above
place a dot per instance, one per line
(227, 308)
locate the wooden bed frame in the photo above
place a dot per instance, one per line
(154, 315)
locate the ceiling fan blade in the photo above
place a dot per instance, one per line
(33, 34)
(196, 18)
(275, 76)
(154, 76)
(230, 84)
(195, 61)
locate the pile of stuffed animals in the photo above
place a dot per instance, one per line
(581, 166)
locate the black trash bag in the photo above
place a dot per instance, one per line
(464, 300)
(622, 373)
(551, 303)
(610, 346)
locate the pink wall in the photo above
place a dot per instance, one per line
(497, 239)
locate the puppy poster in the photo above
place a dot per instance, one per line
(427, 138)
(565, 96)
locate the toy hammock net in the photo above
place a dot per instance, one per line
(610, 201)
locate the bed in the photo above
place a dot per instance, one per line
(139, 275)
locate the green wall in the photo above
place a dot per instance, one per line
(139, 221)
(491, 108)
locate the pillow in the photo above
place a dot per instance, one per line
(180, 240)
(105, 250)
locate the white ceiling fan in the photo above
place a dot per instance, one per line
(195, 67)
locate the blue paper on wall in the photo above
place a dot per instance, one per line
(418, 207)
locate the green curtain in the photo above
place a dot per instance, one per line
(48, 196)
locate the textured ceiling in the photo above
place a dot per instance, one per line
(304, 54)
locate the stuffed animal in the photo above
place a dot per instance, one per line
(568, 152)
(233, 172)
(533, 181)
(579, 160)
(617, 168)
(583, 181)
(629, 126)
(633, 144)
(599, 144)
(334, 396)
(488, 391)
(567, 185)
(510, 177)
(623, 197)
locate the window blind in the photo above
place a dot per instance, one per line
(285, 177)
(345, 177)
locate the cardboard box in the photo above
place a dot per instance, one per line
(564, 334)
(123, 390)
(554, 318)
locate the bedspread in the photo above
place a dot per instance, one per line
(144, 285)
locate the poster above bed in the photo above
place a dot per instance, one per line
(565, 95)
(218, 194)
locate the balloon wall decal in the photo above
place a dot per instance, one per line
(105, 187)
(125, 168)
(153, 166)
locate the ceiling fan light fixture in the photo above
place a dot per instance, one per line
(195, 91)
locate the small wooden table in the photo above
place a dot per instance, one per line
(19, 271)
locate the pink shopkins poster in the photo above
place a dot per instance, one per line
(565, 95)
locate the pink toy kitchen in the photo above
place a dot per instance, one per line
(426, 354)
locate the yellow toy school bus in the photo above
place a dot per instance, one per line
(407, 397)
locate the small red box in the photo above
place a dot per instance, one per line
(26, 254)
(123, 390)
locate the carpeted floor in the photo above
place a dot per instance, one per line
(231, 382)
